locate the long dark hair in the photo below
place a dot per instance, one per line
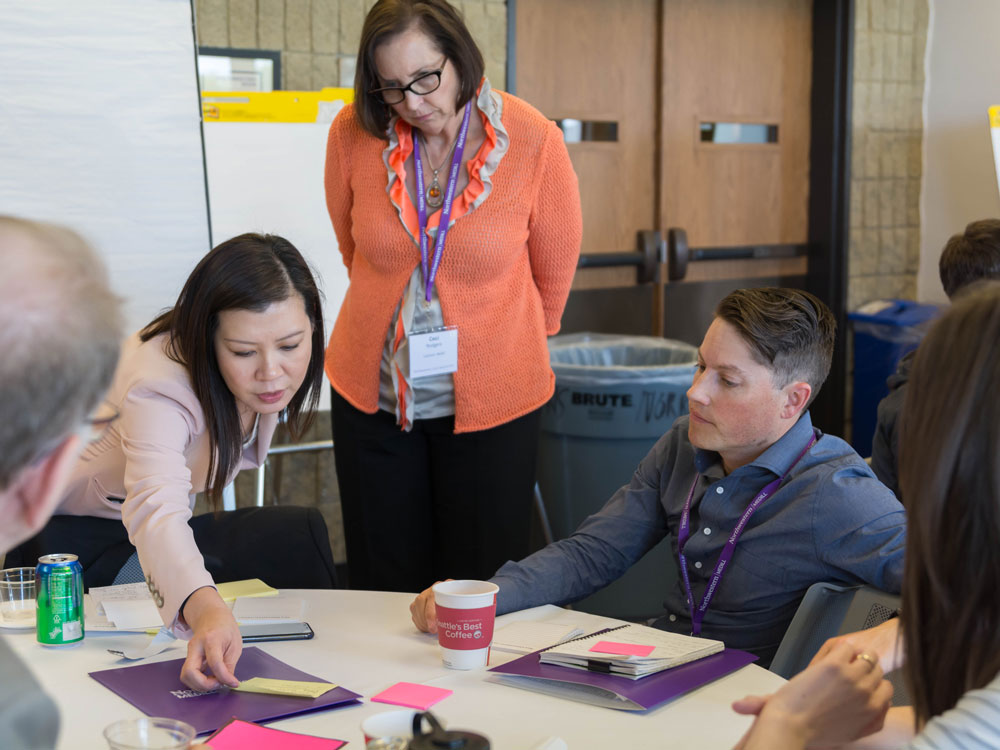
(445, 27)
(950, 476)
(248, 272)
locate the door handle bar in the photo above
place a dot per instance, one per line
(679, 254)
(650, 253)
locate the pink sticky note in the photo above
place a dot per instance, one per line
(625, 649)
(243, 735)
(411, 695)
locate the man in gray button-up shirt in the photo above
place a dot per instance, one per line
(762, 360)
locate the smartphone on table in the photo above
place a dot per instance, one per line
(281, 631)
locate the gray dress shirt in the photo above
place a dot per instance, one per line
(830, 520)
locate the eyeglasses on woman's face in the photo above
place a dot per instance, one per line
(422, 85)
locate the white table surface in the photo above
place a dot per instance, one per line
(366, 642)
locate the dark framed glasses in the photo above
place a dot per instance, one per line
(428, 83)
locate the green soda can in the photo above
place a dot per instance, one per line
(59, 597)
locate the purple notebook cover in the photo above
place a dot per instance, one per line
(649, 691)
(156, 690)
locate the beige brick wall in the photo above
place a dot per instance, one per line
(889, 43)
(318, 39)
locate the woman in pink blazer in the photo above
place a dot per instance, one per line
(200, 390)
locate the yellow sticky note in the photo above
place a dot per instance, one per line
(284, 687)
(251, 587)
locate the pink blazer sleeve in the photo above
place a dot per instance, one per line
(159, 421)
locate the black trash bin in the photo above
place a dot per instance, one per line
(615, 396)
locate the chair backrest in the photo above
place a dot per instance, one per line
(818, 617)
(871, 607)
(827, 610)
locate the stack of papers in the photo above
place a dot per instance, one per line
(631, 651)
(130, 606)
(127, 606)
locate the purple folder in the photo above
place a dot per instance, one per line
(156, 690)
(619, 692)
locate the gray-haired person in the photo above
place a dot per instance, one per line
(747, 456)
(60, 328)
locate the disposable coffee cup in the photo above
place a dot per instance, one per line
(389, 725)
(17, 596)
(466, 611)
(149, 733)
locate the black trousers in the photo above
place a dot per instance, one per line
(285, 546)
(428, 504)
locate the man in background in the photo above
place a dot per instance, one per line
(60, 328)
(973, 255)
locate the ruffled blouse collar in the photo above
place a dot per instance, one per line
(480, 167)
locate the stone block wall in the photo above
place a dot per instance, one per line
(889, 44)
(318, 39)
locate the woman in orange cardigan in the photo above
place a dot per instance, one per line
(438, 358)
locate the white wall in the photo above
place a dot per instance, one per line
(268, 177)
(963, 80)
(99, 130)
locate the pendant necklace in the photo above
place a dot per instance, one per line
(434, 195)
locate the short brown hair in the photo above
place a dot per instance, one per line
(971, 256)
(436, 18)
(788, 330)
(950, 477)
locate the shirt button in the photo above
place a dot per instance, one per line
(698, 564)
(719, 490)
(708, 531)
(672, 618)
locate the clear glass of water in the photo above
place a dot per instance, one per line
(149, 733)
(17, 596)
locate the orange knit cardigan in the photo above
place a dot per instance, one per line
(503, 280)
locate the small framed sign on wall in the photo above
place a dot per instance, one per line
(231, 69)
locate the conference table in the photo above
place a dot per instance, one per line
(366, 642)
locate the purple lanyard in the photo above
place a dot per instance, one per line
(684, 532)
(449, 194)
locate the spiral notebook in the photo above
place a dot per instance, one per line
(632, 651)
(601, 688)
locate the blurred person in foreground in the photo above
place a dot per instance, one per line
(60, 328)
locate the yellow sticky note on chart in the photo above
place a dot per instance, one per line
(284, 687)
(251, 587)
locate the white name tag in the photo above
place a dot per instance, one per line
(433, 352)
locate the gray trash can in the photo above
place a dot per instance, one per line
(615, 396)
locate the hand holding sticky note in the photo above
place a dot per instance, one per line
(295, 688)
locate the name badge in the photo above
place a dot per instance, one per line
(433, 352)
